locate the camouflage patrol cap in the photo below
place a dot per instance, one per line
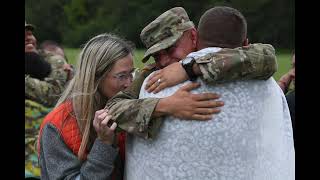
(165, 30)
(28, 26)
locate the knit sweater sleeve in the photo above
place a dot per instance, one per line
(58, 162)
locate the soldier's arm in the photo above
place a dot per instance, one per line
(59, 68)
(45, 92)
(143, 117)
(132, 114)
(256, 61)
(48, 91)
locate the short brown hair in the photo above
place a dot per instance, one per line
(222, 26)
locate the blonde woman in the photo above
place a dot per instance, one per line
(76, 138)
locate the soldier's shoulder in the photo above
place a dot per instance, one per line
(149, 67)
(260, 47)
(205, 58)
(56, 59)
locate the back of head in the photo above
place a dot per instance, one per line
(222, 27)
(165, 30)
(52, 47)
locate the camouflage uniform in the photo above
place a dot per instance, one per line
(34, 114)
(257, 61)
(40, 95)
(48, 91)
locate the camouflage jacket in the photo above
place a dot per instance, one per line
(34, 114)
(257, 61)
(49, 90)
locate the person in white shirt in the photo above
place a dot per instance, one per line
(250, 139)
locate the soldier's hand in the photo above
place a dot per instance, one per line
(185, 105)
(166, 77)
(104, 126)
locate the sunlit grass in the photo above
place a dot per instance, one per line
(283, 59)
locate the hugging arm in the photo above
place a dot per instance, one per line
(143, 117)
(255, 61)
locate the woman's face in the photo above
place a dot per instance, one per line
(119, 78)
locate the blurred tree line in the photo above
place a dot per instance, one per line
(73, 22)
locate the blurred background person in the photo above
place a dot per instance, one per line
(287, 84)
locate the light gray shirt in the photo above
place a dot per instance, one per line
(251, 139)
(57, 161)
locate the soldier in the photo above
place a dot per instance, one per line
(42, 89)
(169, 38)
(52, 48)
(45, 91)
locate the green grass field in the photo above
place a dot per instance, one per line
(283, 57)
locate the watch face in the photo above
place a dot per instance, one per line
(186, 60)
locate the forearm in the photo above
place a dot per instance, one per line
(132, 114)
(258, 61)
(100, 161)
(135, 115)
(44, 92)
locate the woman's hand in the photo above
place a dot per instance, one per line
(101, 121)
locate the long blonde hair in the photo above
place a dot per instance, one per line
(96, 59)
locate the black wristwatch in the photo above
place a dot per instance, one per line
(187, 64)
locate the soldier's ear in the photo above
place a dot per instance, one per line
(245, 42)
(194, 37)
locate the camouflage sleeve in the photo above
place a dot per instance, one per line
(48, 91)
(34, 114)
(58, 73)
(133, 115)
(256, 61)
(45, 92)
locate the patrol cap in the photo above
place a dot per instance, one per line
(28, 26)
(164, 31)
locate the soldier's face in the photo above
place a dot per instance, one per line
(119, 78)
(185, 45)
(29, 42)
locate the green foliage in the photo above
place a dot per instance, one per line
(73, 22)
(48, 17)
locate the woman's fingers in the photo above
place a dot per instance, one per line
(99, 117)
(113, 126)
(106, 121)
